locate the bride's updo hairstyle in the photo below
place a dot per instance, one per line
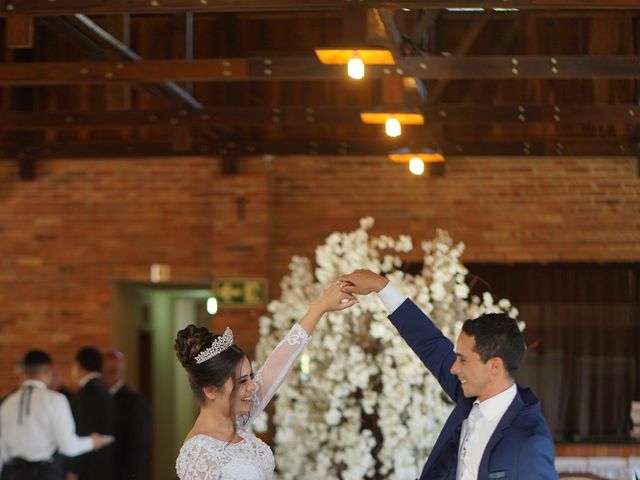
(213, 372)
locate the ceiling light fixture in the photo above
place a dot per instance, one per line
(416, 166)
(392, 127)
(427, 155)
(355, 58)
(355, 67)
(416, 158)
(392, 119)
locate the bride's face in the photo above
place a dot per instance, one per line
(246, 387)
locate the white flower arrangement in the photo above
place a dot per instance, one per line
(364, 406)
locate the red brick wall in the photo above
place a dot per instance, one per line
(81, 225)
(504, 209)
(240, 246)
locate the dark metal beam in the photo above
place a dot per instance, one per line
(308, 68)
(68, 7)
(528, 147)
(460, 114)
(77, 38)
(395, 38)
(127, 52)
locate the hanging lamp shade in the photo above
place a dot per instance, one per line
(368, 55)
(380, 117)
(404, 155)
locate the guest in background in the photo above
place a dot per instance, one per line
(35, 423)
(132, 420)
(93, 410)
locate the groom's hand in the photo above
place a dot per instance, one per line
(362, 282)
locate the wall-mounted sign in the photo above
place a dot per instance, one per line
(240, 292)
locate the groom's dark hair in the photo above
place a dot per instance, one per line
(497, 335)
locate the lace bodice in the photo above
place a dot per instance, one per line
(203, 457)
(206, 458)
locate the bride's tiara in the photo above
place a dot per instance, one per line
(219, 345)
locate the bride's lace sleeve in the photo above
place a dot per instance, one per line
(276, 367)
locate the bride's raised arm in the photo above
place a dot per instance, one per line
(284, 356)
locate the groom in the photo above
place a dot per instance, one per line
(496, 430)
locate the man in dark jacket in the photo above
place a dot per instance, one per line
(496, 430)
(93, 411)
(133, 422)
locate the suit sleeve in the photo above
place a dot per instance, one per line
(63, 429)
(93, 410)
(432, 347)
(536, 459)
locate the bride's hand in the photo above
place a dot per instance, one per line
(333, 299)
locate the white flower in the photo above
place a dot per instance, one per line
(332, 417)
(504, 304)
(487, 299)
(437, 292)
(366, 223)
(365, 383)
(461, 290)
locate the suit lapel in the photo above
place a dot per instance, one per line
(450, 433)
(506, 420)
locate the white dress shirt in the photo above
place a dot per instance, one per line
(391, 297)
(35, 422)
(491, 410)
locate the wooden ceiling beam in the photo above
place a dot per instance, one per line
(531, 147)
(309, 68)
(68, 7)
(320, 115)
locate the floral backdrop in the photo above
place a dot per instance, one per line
(361, 404)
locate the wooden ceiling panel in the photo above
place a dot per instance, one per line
(258, 63)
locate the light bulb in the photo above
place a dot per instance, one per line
(212, 305)
(355, 67)
(392, 127)
(416, 166)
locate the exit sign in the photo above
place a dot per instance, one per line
(240, 292)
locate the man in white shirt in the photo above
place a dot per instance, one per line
(36, 424)
(496, 430)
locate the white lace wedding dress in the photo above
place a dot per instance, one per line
(203, 457)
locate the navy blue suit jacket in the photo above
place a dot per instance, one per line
(93, 411)
(521, 446)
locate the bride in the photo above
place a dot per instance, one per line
(220, 446)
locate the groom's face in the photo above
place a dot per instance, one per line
(474, 374)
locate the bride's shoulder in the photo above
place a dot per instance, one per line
(200, 458)
(198, 442)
